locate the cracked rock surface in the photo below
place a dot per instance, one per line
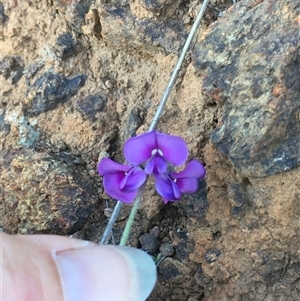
(251, 65)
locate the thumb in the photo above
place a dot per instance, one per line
(47, 268)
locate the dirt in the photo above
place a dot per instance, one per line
(219, 255)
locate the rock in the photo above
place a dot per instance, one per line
(11, 67)
(91, 105)
(259, 244)
(133, 123)
(166, 249)
(168, 35)
(203, 240)
(212, 255)
(51, 89)
(155, 9)
(237, 195)
(173, 270)
(74, 11)
(149, 243)
(92, 24)
(253, 71)
(195, 205)
(66, 46)
(155, 231)
(272, 264)
(156, 5)
(31, 69)
(4, 127)
(275, 203)
(44, 193)
(3, 16)
(28, 135)
(126, 32)
(288, 284)
(201, 280)
(183, 245)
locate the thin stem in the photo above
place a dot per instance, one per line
(152, 126)
(174, 75)
(131, 217)
(111, 222)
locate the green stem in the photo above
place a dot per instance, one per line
(131, 217)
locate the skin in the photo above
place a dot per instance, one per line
(34, 268)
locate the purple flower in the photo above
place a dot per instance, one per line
(160, 153)
(157, 150)
(171, 185)
(121, 181)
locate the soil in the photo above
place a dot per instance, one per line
(211, 253)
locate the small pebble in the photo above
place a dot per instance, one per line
(102, 155)
(92, 173)
(108, 212)
(167, 249)
(149, 243)
(109, 84)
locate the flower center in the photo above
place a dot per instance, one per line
(157, 150)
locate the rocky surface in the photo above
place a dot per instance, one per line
(253, 70)
(49, 90)
(4, 127)
(3, 17)
(80, 77)
(149, 243)
(66, 46)
(247, 219)
(44, 193)
(11, 67)
(91, 105)
(122, 29)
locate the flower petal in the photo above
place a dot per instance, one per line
(188, 185)
(167, 188)
(161, 165)
(133, 180)
(173, 147)
(149, 167)
(107, 165)
(138, 150)
(194, 169)
(111, 183)
(157, 164)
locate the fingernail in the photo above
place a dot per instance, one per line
(106, 273)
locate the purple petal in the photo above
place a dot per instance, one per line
(138, 150)
(157, 164)
(173, 147)
(161, 165)
(107, 165)
(133, 180)
(111, 183)
(188, 185)
(166, 201)
(149, 167)
(194, 169)
(167, 188)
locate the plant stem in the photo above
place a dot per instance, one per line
(177, 67)
(131, 217)
(107, 232)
